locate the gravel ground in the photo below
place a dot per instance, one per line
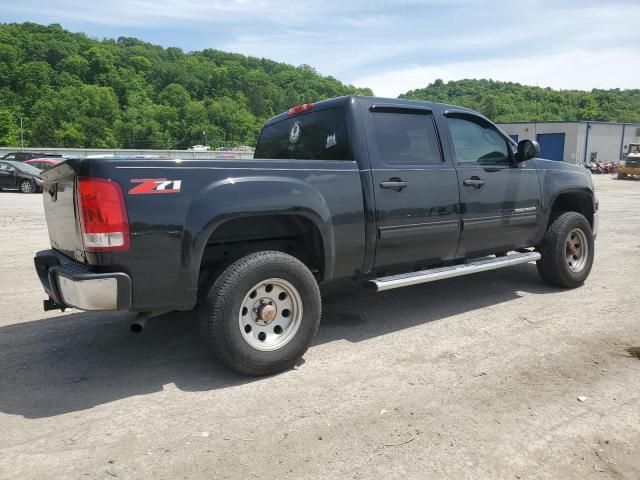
(474, 377)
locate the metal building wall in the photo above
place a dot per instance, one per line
(573, 135)
(604, 138)
(525, 131)
(581, 142)
(571, 138)
(604, 142)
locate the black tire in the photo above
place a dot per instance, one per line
(621, 175)
(220, 309)
(553, 266)
(27, 186)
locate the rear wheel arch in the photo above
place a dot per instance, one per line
(294, 234)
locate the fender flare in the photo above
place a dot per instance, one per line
(238, 197)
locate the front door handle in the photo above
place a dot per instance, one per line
(474, 182)
(394, 184)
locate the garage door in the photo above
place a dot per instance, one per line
(551, 146)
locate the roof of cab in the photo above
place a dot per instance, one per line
(369, 101)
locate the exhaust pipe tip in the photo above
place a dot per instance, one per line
(138, 325)
(141, 320)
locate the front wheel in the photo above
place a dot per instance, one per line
(27, 186)
(262, 313)
(567, 251)
(621, 175)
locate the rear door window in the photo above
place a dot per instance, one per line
(320, 135)
(405, 138)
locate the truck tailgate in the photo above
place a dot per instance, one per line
(61, 210)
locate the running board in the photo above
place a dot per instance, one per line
(424, 276)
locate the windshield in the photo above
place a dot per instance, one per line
(23, 167)
(633, 148)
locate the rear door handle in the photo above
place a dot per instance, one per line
(394, 184)
(473, 182)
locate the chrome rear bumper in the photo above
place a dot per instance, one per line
(71, 284)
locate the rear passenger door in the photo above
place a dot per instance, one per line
(416, 192)
(499, 198)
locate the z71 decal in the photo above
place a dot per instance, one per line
(155, 185)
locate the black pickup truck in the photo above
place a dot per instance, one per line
(388, 192)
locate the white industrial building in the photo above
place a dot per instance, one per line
(577, 142)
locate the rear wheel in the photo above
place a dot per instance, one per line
(262, 313)
(621, 175)
(27, 186)
(567, 251)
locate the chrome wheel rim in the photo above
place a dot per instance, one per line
(270, 314)
(576, 250)
(26, 187)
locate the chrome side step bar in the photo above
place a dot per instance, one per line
(424, 276)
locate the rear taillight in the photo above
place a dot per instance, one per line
(305, 107)
(103, 215)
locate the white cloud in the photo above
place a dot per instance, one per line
(391, 46)
(581, 70)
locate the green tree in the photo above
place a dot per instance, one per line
(9, 131)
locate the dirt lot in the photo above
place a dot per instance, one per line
(474, 377)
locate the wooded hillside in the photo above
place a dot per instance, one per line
(507, 102)
(75, 91)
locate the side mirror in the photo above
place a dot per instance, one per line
(527, 149)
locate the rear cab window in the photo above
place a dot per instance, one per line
(317, 135)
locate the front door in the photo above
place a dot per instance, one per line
(499, 199)
(7, 175)
(416, 191)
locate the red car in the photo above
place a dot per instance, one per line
(42, 163)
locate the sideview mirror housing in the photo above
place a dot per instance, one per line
(527, 149)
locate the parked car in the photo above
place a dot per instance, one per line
(390, 193)
(23, 156)
(42, 163)
(19, 176)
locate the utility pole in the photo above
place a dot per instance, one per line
(21, 134)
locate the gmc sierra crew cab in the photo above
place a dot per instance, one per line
(390, 193)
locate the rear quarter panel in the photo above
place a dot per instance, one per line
(169, 231)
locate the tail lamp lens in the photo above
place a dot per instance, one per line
(103, 215)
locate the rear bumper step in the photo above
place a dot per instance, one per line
(424, 276)
(73, 285)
